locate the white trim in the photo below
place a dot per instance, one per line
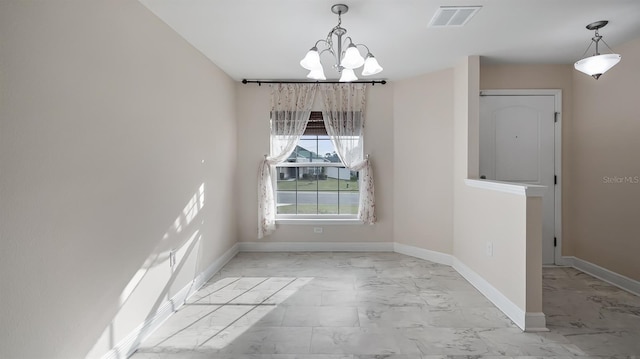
(564, 261)
(535, 322)
(558, 173)
(619, 280)
(316, 246)
(215, 267)
(129, 344)
(433, 256)
(310, 164)
(568, 261)
(503, 303)
(521, 92)
(521, 189)
(319, 221)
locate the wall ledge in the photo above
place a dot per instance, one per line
(522, 189)
(623, 282)
(316, 246)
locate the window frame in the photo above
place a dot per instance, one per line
(313, 218)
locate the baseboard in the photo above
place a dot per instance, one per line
(535, 322)
(432, 256)
(214, 268)
(619, 280)
(526, 321)
(316, 246)
(129, 344)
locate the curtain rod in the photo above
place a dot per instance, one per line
(260, 82)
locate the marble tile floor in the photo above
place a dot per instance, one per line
(385, 305)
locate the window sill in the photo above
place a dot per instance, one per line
(318, 221)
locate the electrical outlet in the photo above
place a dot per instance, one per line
(488, 249)
(317, 229)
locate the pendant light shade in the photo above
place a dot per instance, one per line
(345, 60)
(317, 74)
(371, 66)
(348, 75)
(597, 64)
(352, 58)
(312, 60)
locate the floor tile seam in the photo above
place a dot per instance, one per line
(246, 291)
(204, 316)
(267, 298)
(237, 304)
(187, 327)
(247, 312)
(217, 290)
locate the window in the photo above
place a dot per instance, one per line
(313, 182)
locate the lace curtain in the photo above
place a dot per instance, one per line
(290, 110)
(343, 115)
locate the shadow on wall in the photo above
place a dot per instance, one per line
(173, 261)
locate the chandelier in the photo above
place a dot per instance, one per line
(597, 64)
(345, 61)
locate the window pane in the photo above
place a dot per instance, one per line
(327, 191)
(307, 195)
(317, 190)
(286, 190)
(349, 191)
(306, 150)
(326, 149)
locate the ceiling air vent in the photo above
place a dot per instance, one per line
(453, 16)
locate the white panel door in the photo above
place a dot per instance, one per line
(517, 144)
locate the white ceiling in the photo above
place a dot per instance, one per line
(260, 39)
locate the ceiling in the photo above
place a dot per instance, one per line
(259, 39)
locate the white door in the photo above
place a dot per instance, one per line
(517, 144)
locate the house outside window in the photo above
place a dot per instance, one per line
(312, 183)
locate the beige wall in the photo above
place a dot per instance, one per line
(253, 104)
(603, 214)
(105, 117)
(423, 161)
(599, 126)
(508, 221)
(544, 77)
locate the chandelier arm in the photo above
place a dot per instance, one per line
(330, 50)
(321, 40)
(365, 46)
